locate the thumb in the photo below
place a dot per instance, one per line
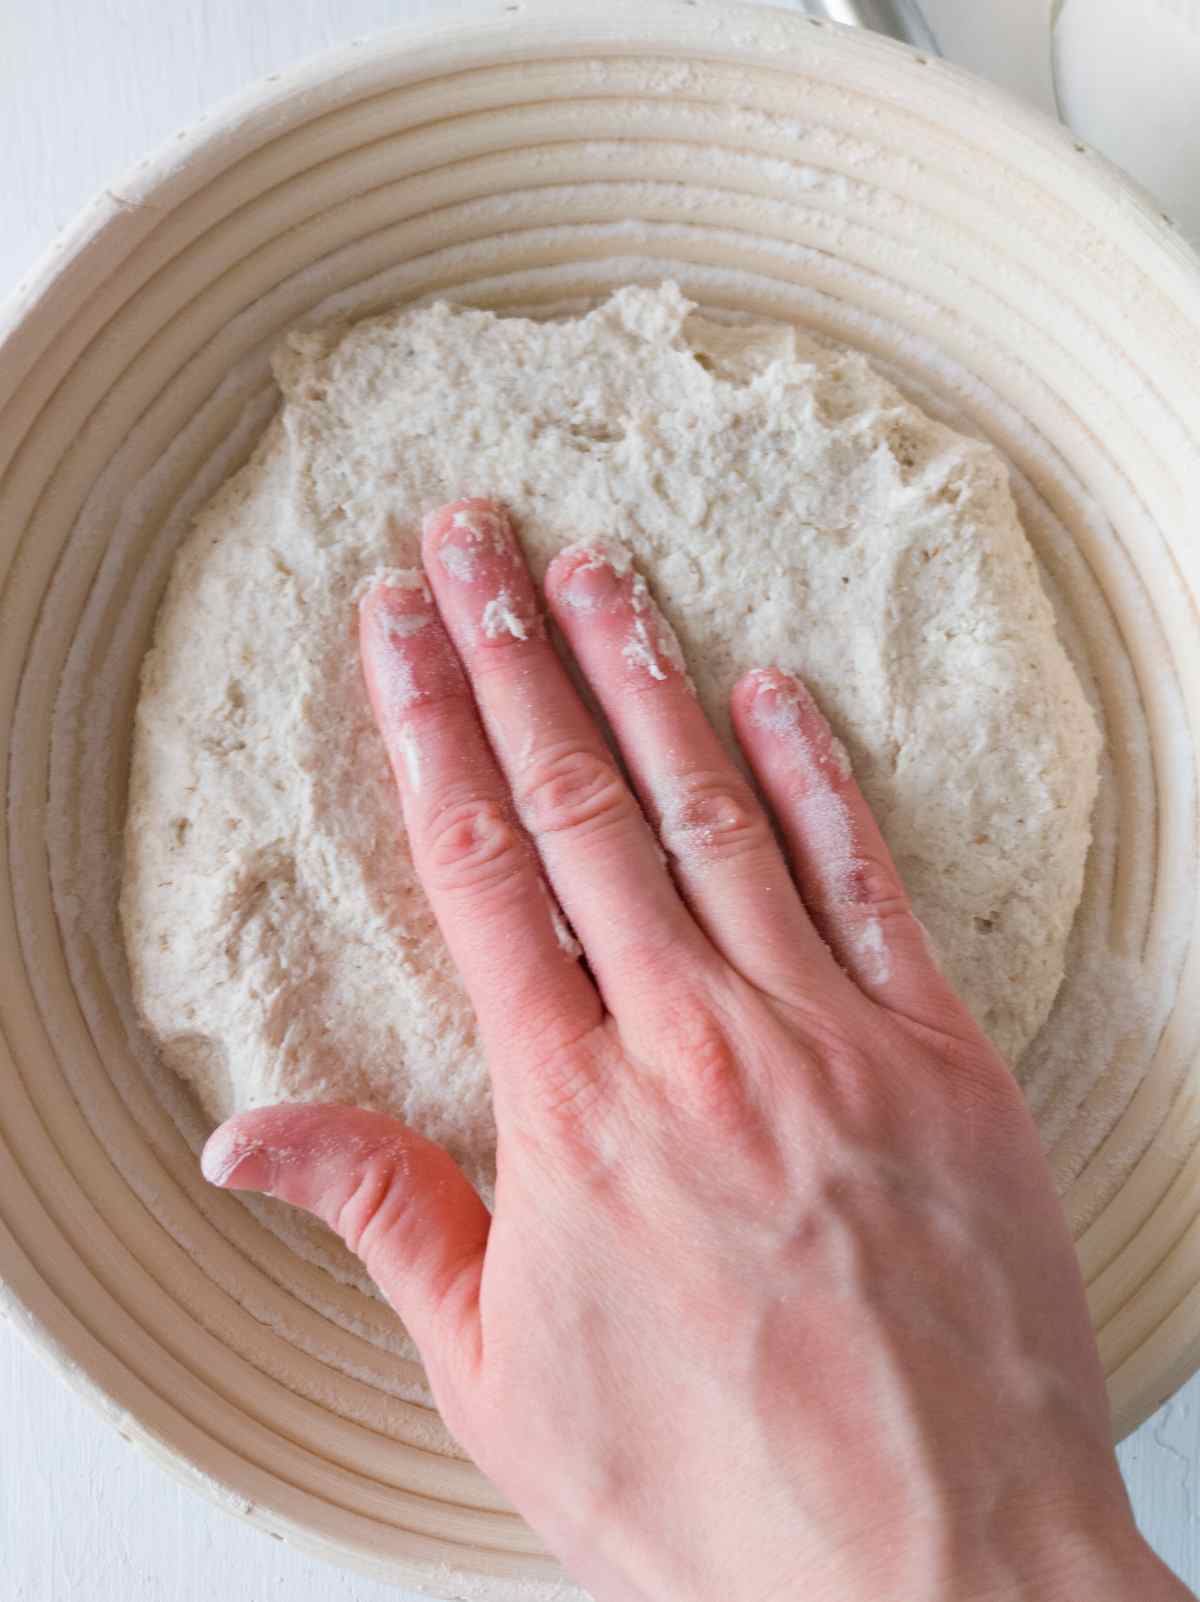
(398, 1201)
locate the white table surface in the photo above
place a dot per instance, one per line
(86, 88)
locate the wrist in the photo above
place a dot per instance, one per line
(1094, 1551)
(1060, 1550)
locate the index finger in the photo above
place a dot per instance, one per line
(505, 933)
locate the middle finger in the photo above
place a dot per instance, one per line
(598, 850)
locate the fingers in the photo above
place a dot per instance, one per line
(399, 1202)
(845, 871)
(483, 880)
(600, 854)
(722, 849)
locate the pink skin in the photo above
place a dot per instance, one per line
(777, 1300)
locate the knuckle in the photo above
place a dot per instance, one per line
(706, 1070)
(565, 1102)
(377, 1204)
(875, 887)
(874, 919)
(569, 1090)
(714, 816)
(717, 1090)
(571, 790)
(471, 844)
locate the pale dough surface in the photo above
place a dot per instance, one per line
(787, 506)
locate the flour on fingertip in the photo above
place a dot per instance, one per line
(403, 625)
(391, 578)
(501, 616)
(458, 562)
(483, 527)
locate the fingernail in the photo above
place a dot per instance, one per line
(407, 655)
(785, 706)
(589, 575)
(403, 579)
(229, 1163)
(777, 700)
(474, 543)
(401, 612)
(468, 532)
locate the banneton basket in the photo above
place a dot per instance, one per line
(540, 155)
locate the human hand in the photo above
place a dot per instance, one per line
(777, 1299)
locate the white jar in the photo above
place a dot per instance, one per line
(1127, 74)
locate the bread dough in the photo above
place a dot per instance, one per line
(787, 506)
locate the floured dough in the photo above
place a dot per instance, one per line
(786, 505)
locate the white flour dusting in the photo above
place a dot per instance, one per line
(563, 932)
(787, 505)
(828, 825)
(403, 626)
(410, 751)
(458, 562)
(639, 652)
(500, 617)
(873, 952)
(396, 578)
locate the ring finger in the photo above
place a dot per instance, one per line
(722, 849)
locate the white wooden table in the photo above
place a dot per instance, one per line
(86, 88)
